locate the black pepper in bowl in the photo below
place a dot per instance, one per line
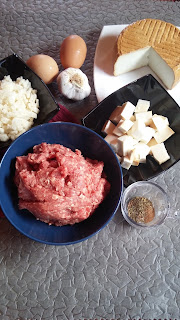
(141, 210)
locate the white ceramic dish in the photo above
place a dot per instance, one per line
(105, 82)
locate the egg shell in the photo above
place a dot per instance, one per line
(73, 52)
(44, 66)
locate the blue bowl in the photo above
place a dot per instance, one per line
(73, 136)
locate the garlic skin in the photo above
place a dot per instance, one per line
(73, 84)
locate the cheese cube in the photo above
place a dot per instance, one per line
(140, 152)
(116, 114)
(142, 105)
(123, 126)
(113, 142)
(137, 130)
(134, 157)
(159, 122)
(110, 137)
(127, 110)
(126, 162)
(129, 133)
(108, 127)
(133, 133)
(115, 145)
(151, 143)
(125, 145)
(163, 134)
(117, 132)
(147, 134)
(160, 153)
(134, 141)
(145, 116)
(164, 119)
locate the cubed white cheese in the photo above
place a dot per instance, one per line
(141, 150)
(115, 145)
(137, 130)
(160, 153)
(127, 110)
(117, 132)
(147, 134)
(126, 162)
(113, 142)
(108, 127)
(164, 119)
(145, 116)
(110, 137)
(134, 157)
(151, 143)
(123, 126)
(142, 105)
(163, 134)
(125, 145)
(133, 132)
(159, 122)
(129, 132)
(116, 114)
(134, 141)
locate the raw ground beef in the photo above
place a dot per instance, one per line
(59, 186)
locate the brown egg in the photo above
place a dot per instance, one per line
(73, 52)
(44, 66)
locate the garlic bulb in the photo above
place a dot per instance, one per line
(73, 84)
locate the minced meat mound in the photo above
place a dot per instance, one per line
(59, 186)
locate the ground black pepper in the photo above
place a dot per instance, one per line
(141, 210)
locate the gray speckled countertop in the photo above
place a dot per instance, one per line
(121, 272)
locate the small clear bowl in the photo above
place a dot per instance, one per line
(154, 193)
